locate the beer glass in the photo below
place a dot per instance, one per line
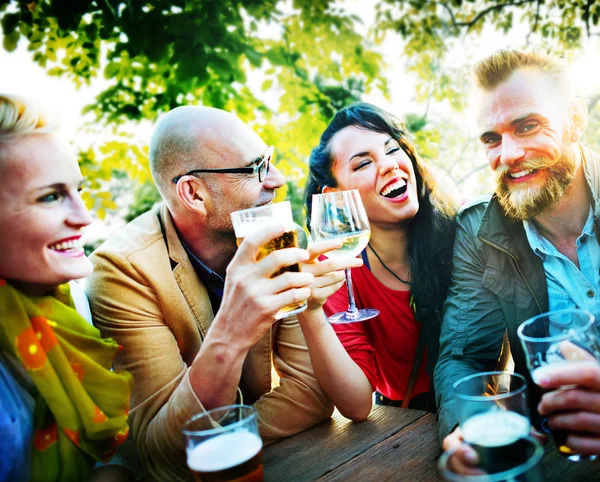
(224, 445)
(528, 470)
(493, 418)
(341, 215)
(554, 339)
(249, 221)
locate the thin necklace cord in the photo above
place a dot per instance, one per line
(388, 269)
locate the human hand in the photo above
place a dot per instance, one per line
(575, 409)
(463, 458)
(251, 298)
(329, 273)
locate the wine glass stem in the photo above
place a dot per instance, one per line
(351, 303)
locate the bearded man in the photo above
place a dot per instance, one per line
(531, 248)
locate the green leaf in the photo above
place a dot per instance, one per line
(266, 85)
(11, 40)
(111, 70)
(10, 22)
(254, 57)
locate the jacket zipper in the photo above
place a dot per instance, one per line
(505, 251)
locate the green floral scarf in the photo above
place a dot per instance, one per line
(81, 406)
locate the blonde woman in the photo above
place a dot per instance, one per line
(61, 407)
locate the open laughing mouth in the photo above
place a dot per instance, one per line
(395, 189)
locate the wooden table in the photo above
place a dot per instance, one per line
(393, 444)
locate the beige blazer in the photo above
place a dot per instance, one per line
(145, 294)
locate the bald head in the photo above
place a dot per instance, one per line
(195, 137)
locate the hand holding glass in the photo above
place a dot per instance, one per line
(249, 221)
(493, 418)
(552, 339)
(341, 215)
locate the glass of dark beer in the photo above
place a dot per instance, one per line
(551, 340)
(493, 418)
(248, 221)
(223, 445)
(528, 470)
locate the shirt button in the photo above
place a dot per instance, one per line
(590, 294)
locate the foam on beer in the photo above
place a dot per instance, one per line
(224, 451)
(280, 213)
(495, 428)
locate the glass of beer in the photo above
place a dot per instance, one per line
(551, 340)
(493, 418)
(529, 470)
(224, 445)
(341, 215)
(249, 221)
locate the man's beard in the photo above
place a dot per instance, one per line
(524, 201)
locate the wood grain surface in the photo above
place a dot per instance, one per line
(394, 444)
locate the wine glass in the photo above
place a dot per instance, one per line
(341, 215)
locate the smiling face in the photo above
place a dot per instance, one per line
(239, 146)
(525, 126)
(41, 208)
(375, 164)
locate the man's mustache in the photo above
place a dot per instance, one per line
(534, 163)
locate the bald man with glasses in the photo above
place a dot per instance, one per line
(194, 314)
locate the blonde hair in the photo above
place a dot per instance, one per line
(490, 72)
(20, 117)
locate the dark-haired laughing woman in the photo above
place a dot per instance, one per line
(404, 273)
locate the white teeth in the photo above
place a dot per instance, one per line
(517, 175)
(73, 244)
(397, 185)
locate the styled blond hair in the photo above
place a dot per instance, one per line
(490, 72)
(20, 117)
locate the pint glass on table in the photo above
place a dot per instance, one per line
(223, 445)
(248, 221)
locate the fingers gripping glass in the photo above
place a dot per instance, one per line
(341, 215)
(260, 166)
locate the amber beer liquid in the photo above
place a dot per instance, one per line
(289, 239)
(231, 457)
(249, 221)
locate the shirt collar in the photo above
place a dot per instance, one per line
(542, 247)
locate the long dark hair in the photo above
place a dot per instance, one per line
(430, 232)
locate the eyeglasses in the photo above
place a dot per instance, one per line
(260, 166)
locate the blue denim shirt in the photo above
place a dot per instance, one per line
(16, 425)
(569, 286)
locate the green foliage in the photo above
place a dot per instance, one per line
(159, 54)
(310, 56)
(145, 197)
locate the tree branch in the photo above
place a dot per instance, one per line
(450, 12)
(586, 14)
(462, 152)
(535, 24)
(469, 174)
(112, 10)
(481, 14)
